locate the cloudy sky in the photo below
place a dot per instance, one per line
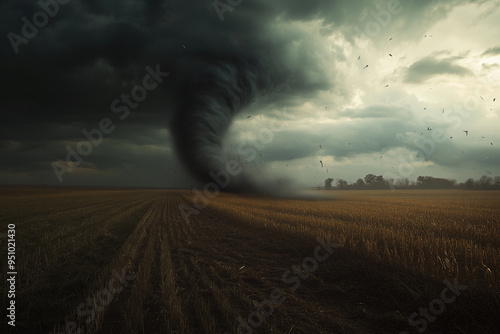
(398, 88)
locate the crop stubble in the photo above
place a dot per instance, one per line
(199, 277)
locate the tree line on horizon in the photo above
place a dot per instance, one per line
(372, 181)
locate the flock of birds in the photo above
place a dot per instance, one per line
(428, 128)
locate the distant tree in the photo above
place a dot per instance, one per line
(370, 178)
(342, 183)
(496, 182)
(485, 182)
(402, 183)
(328, 183)
(359, 183)
(469, 183)
(420, 181)
(429, 182)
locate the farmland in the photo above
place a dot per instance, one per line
(126, 261)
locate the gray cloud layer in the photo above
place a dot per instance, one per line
(64, 79)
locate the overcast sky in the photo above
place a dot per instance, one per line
(398, 88)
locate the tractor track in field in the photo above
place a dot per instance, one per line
(199, 277)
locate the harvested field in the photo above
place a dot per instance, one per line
(126, 261)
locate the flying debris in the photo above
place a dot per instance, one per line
(349, 143)
(386, 85)
(466, 132)
(425, 36)
(481, 97)
(365, 66)
(183, 46)
(320, 146)
(390, 39)
(429, 129)
(327, 171)
(494, 99)
(321, 163)
(425, 108)
(381, 156)
(290, 158)
(359, 57)
(253, 101)
(390, 54)
(491, 144)
(249, 116)
(442, 112)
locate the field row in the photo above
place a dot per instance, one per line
(109, 261)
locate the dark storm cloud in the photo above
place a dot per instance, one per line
(429, 67)
(64, 79)
(492, 51)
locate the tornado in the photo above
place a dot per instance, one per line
(207, 103)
